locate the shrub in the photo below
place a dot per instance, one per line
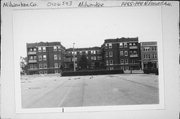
(91, 72)
(151, 70)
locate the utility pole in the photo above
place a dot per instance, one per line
(74, 57)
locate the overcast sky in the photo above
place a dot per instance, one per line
(86, 27)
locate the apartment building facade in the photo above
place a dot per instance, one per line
(45, 57)
(122, 53)
(149, 54)
(83, 58)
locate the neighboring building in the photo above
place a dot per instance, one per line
(149, 54)
(85, 58)
(45, 57)
(122, 53)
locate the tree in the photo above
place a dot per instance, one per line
(23, 65)
(83, 62)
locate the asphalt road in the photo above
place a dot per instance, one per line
(54, 91)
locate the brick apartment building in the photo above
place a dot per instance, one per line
(119, 53)
(44, 57)
(92, 58)
(149, 54)
(122, 53)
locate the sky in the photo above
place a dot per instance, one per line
(86, 27)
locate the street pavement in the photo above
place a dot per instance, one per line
(46, 91)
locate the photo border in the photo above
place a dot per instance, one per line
(163, 107)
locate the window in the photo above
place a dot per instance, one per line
(55, 48)
(98, 52)
(146, 48)
(126, 61)
(121, 53)
(155, 48)
(44, 49)
(39, 49)
(86, 52)
(130, 44)
(125, 53)
(35, 57)
(40, 57)
(56, 65)
(30, 49)
(154, 55)
(110, 54)
(110, 62)
(94, 57)
(35, 49)
(31, 57)
(134, 52)
(106, 54)
(107, 62)
(94, 52)
(147, 56)
(40, 66)
(56, 71)
(106, 45)
(122, 61)
(31, 66)
(41, 72)
(110, 45)
(111, 68)
(44, 57)
(59, 57)
(55, 57)
(99, 57)
(59, 64)
(59, 48)
(125, 44)
(121, 45)
(45, 65)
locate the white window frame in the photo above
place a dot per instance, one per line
(55, 48)
(110, 45)
(44, 57)
(56, 65)
(39, 49)
(55, 57)
(125, 53)
(44, 49)
(121, 53)
(120, 45)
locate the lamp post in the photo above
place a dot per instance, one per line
(74, 57)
